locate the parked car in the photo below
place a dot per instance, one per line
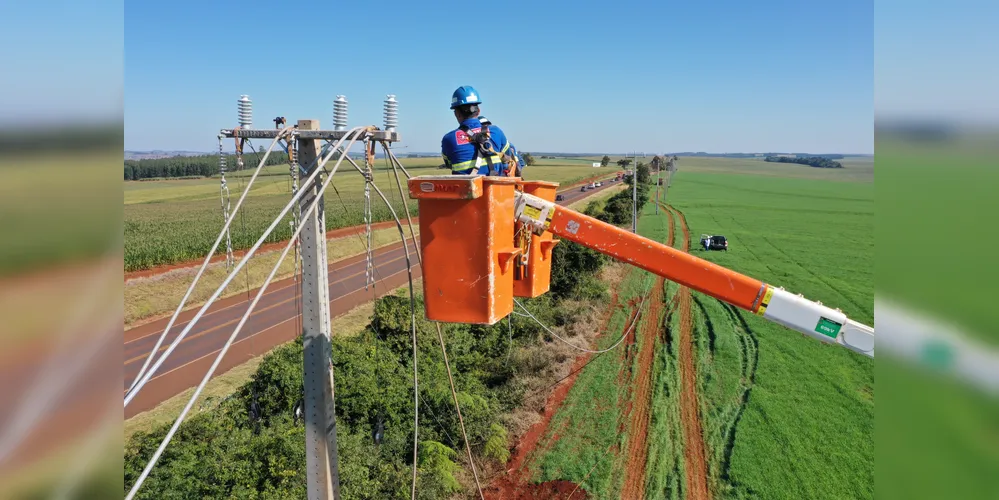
(714, 242)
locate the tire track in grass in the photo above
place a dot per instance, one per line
(817, 276)
(636, 448)
(638, 433)
(694, 451)
(750, 354)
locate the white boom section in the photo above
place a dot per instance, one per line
(817, 321)
(775, 304)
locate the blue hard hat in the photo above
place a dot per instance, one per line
(464, 95)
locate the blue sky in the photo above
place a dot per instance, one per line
(716, 76)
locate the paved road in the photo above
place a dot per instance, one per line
(274, 321)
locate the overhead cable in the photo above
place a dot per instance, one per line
(204, 264)
(148, 375)
(232, 337)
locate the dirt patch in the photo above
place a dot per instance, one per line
(695, 462)
(637, 446)
(562, 490)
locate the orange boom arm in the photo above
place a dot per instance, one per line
(676, 265)
(479, 253)
(775, 304)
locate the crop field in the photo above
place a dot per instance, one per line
(779, 415)
(171, 221)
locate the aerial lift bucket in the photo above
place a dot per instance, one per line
(533, 278)
(467, 239)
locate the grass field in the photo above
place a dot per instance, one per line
(786, 416)
(783, 416)
(169, 221)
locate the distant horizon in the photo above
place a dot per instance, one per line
(162, 154)
(557, 153)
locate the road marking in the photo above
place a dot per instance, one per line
(258, 311)
(269, 292)
(251, 336)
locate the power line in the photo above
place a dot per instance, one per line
(148, 375)
(440, 337)
(225, 348)
(204, 265)
(570, 344)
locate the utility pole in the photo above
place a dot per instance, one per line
(323, 478)
(634, 194)
(322, 469)
(659, 178)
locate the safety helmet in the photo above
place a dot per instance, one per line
(464, 95)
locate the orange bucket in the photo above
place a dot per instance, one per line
(466, 235)
(534, 278)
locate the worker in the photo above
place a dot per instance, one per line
(477, 146)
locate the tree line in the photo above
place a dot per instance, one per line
(812, 161)
(193, 166)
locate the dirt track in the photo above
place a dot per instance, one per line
(637, 447)
(695, 461)
(640, 412)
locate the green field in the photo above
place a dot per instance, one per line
(169, 221)
(783, 416)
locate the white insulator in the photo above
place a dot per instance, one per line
(340, 113)
(245, 111)
(391, 113)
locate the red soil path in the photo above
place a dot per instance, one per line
(695, 462)
(514, 484)
(640, 411)
(637, 447)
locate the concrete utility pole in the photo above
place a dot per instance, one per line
(659, 171)
(323, 478)
(634, 195)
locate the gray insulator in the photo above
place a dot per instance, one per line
(340, 113)
(391, 113)
(245, 111)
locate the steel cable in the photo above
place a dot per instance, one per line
(225, 348)
(148, 375)
(204, 265)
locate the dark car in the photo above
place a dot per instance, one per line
(716, 242)
(582, 189)
(559, 197)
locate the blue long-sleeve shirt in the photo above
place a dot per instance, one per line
(458, 150)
